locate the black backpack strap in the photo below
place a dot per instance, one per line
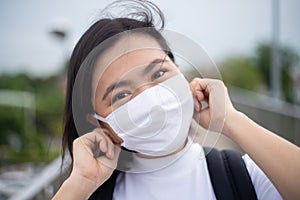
(229, 175)
(106, 190)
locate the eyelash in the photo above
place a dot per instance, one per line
(153, 78)
(163, 71)
(117, 96)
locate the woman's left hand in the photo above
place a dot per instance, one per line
(215, 94)
(269, 151)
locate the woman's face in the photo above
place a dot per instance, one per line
(135, 63)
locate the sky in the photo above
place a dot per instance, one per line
(222, 28)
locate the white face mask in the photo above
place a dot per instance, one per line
(155, 122)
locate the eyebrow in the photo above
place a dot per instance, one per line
(123, 83)
(153, 63)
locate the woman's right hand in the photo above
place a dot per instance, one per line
(94, 157)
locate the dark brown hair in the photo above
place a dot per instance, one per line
(142, 14)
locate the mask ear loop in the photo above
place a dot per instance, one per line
(98, 117)
(90, 118)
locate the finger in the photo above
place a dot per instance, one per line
(103, 146)
(197, 96)
(200, 95)
(217, 103)
(110, 153)
(110, 148)
(113, 136)
(81, 144)
(198, 87)
(95, 142)
(205, 88)
(204, 118)
(108, 144)
(87, 141)
(194, 85)
(196, 104)
(110, 163)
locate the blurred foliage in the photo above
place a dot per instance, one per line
(288, 59)
(253, 73)
(23, 139)
(241, 72)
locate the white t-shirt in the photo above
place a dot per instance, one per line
(186, 178)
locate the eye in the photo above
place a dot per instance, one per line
(157, 74)
(119, 96)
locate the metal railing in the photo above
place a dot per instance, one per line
(43, 185)
(277, 116)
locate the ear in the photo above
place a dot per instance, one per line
(90, 118)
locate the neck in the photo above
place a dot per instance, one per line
(170, 154)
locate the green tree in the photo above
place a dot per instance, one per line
(288, 59)
(240, 71)
(18, 143)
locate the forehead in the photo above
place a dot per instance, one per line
(126, 54)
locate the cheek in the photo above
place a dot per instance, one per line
(174, 67)
(174, 70)
(101, 107)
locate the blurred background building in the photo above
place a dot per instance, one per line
(246, 40)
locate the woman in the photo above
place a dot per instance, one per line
(134, 75)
